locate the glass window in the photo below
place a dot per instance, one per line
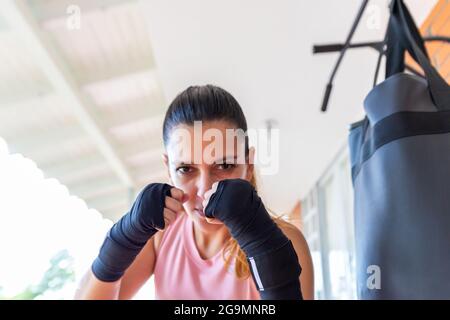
(329, 230)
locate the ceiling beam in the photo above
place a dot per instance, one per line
(118, 117)
(54, 154)
(119, 71)
(145, 157)
(109, 201)
(87, 173)
(55, 9)
(93, 187)
(62, 168)
(22, 21)
(32, 140)
(45, 102)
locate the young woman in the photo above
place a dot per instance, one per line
(188, 246)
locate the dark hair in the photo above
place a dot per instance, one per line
(203, 103)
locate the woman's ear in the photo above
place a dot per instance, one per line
(165, 159)
(251, 155)
(251, 161)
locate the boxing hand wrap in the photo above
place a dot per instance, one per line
(272, 258)
(129, 235)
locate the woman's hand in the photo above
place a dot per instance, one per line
(173, 206)
(208, 195)
(155, 208)
(274, 262)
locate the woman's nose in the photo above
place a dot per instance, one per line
(205, 183)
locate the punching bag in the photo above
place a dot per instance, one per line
(400, 157)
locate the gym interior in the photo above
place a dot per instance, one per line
(86, 84)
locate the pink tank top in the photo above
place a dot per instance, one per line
(181, 273)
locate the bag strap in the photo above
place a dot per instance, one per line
(397, 40)
(402, 34)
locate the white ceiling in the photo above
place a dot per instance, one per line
(87, 105)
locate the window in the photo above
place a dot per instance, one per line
(329, 230)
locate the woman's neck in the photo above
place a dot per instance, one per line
(210, 242)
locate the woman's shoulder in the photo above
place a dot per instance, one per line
(304, 256)
(286, 226)
(293, 233)
(157, 240)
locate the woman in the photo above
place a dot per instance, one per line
(191, 253)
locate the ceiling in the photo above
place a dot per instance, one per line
(87, 104)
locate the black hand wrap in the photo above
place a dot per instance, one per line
(271, 255)
(129, 235)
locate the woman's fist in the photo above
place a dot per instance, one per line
(173, 206)
(205, 202)
(155, 208)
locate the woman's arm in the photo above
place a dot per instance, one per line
(140, 270)
(126, 258)
(90, 288)
(271, 254)
(304, 258)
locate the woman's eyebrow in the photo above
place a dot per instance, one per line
(181, 163)
(227, 159)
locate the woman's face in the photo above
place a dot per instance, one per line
(199, 156)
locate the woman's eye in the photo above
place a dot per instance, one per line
(226, 166)
(184, 169)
